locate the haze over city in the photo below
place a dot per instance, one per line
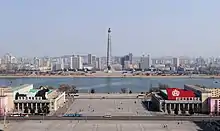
(159, 28)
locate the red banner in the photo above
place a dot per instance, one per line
(173, 93)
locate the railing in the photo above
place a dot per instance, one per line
(29, 98)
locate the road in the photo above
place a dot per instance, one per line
(162, 118)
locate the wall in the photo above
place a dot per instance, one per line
(215, 91)
(3, 105)
(57, 102)
(204, 98)
(9, 98)
(214, 105)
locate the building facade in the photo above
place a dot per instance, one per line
(202, 93)
(76, 62)
(214, 105)
(176, 101)
(145, 62)
(176, 62)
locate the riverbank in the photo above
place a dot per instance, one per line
(106, 75)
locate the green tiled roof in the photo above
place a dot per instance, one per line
(36, 90)
(33, 91)
(164, 91)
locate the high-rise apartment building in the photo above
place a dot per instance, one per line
(130, 57)
(93, 61)
(145, 62)
(176, 62)
(98, 63)
(76, 62)
(89, 59)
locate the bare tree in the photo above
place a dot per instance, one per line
(123, 90)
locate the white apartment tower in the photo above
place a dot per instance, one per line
(145, 62)
(76, 62)
(176, 62)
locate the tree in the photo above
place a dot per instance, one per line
(92, 91)
(67, 88)
(123, 90)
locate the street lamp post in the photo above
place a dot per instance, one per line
(5, 116)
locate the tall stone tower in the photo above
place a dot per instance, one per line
(109, 68)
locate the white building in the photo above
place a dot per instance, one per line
(94, 61)
(89, 59)
(62, 63)
(56, 66)
(98, 63)
(176, 62)
(76, 62)
(145, 62)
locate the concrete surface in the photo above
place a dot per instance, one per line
(114, 107)
(101, 126)
(108, 96)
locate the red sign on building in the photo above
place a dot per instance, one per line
(173, 93)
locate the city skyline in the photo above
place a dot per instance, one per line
(158, 28)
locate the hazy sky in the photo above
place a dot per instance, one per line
(156, 27)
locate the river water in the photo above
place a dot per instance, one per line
(111, 84)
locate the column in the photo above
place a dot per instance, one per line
(165, 108)
(179, 109)
(199, 108)
(36, 108)
(18, 107)
(187, 108)
(32, 106)
(22, 107)
(169, 108)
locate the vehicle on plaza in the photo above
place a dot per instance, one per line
(107, 115)
(18, 115)
(72, 115)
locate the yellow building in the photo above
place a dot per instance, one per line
(8, 93)
(215, 92)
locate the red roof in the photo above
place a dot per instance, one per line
(173, 93)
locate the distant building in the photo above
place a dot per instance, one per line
(130, 58)
(176, 63)
(94, 61)
(89, 59)
(76, 62)
(145, 62)
(98, 63)
(56, 66)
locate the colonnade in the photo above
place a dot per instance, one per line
(20, 107)
(181, 107)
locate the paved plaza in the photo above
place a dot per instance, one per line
(66, 125)
(114, 107)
